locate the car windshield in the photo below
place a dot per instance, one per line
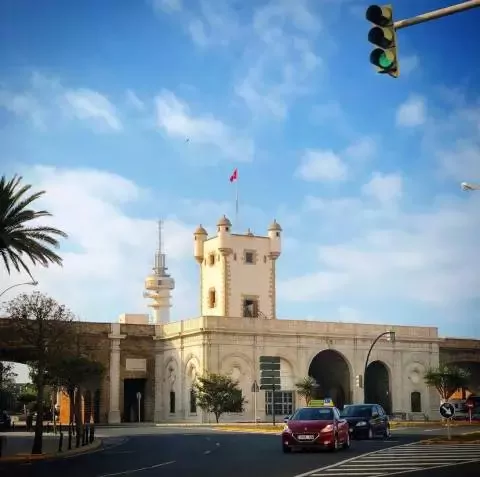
(313, 414)
(357, 411)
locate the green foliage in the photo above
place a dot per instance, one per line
(7, 375)
(18, 238)
(70, 372)
(447, 379)
(44, 328)
(218, 394)
(306, 387)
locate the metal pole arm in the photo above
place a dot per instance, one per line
(433, 15)
(370, 351)
(34, 283)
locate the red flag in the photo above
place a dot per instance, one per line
(234, 176)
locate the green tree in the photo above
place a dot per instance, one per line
(7, 385)
(306, 388)
(446, 380)
(18, 238)
(44, 329)
(218, 394)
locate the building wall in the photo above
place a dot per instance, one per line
(249, 280)
(213, 278)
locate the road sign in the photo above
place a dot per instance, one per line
(270, 373)
(447, 410)
(139, 396)
(470, 405)
(255, 387)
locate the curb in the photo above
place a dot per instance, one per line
(275, 432)
(27, 458)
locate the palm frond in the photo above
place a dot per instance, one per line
(18, 240)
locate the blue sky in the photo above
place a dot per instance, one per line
(362, 171)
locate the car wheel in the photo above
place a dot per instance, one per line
(286, 449)
(370, 433)
(387, 434)
(346, 444)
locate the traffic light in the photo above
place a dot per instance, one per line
(384, 37)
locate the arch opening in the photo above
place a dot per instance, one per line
(332, 374)
(377, 385)
(473, 386)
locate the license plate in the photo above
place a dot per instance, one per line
(306, 437)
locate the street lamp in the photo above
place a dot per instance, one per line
(33, 283)
(390, 336)
(468, 186)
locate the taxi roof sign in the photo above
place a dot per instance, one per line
(327, 402)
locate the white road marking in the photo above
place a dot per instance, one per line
(207, 452)
(400, 459)
(133, 471)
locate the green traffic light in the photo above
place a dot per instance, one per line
(383, 59)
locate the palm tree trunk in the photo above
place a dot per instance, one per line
(38, 439)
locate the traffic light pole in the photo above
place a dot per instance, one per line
(441, 12)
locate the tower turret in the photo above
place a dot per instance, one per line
(275, 236)
(159, 285)
(200, 235)
(224, 227)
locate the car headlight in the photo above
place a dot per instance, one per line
(362, 423)
(328, 428)
(286, 429)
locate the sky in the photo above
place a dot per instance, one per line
(129, 111)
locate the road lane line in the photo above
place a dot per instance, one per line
(207, 452)
(332, 466)
(133, 471)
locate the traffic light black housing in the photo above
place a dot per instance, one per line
(383, 36)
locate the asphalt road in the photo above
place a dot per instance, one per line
(200, 452)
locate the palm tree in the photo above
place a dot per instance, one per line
(306, 387)
(17, 237)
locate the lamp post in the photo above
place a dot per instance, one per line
(33, 283)
(468, 186)
(390, 337)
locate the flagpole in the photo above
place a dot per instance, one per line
(236, 205)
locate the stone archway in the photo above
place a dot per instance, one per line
(377, 385)
(473, 368)
(331, 371)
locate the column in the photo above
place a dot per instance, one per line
(114, 404)
(158, 412)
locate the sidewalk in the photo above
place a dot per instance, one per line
(15, 443)
(17, 446)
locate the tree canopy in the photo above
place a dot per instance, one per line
(18, 238)
(218, 394)
(447, 379)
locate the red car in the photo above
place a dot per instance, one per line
(316, 427)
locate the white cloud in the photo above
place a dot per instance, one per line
(23, 105)
(364, 148)
(134, 101)
(167, 6)
(280, 57)
(176, 119)
(274, 52)
(412, 113)
(424, 258)
(321, 166)
(86, 104)
(384, 187)
(108, 253)
(46, 100)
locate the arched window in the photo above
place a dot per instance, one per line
(172, 402)
(193, 401)
(416, 401)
